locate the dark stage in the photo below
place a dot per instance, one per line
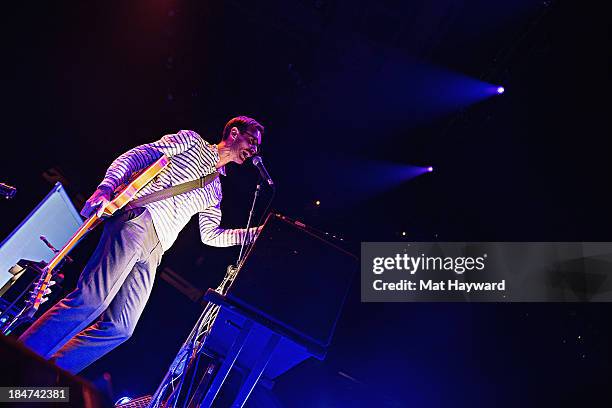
(384, 121)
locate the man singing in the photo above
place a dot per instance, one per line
(112, 291)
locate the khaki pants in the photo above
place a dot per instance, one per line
(111, 293)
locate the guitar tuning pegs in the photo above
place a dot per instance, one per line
(43, 300)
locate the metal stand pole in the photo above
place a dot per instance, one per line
(242, 252)
(256, 372)
(227, 365)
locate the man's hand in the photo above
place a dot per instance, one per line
(254, 233)
(96, 202)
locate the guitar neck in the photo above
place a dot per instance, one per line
(119, 201)
(87, 226)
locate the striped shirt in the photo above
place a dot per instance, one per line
(191, 157)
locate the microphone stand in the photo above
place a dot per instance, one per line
(255, 196)
(188, 354)
(232, 270)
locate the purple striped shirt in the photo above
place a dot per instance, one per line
(191, 157)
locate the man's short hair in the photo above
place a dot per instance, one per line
(242, 123)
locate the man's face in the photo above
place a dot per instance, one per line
(246, 144)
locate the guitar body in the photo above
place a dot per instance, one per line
(122, 196)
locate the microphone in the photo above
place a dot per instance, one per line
(7, 191)
(262, 170)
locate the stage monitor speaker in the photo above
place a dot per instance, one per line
(23, 368)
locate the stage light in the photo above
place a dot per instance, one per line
(317, 203)
(430, 169)
(500, 90)
(403, 233)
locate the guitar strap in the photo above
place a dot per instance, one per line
(173, 191)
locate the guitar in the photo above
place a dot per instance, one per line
(121, 197)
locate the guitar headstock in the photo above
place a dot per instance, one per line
(38, 292)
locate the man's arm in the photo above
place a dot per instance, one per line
(142, 156)
(134, 160)
(213, 235)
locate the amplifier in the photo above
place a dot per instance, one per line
(296, 279)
